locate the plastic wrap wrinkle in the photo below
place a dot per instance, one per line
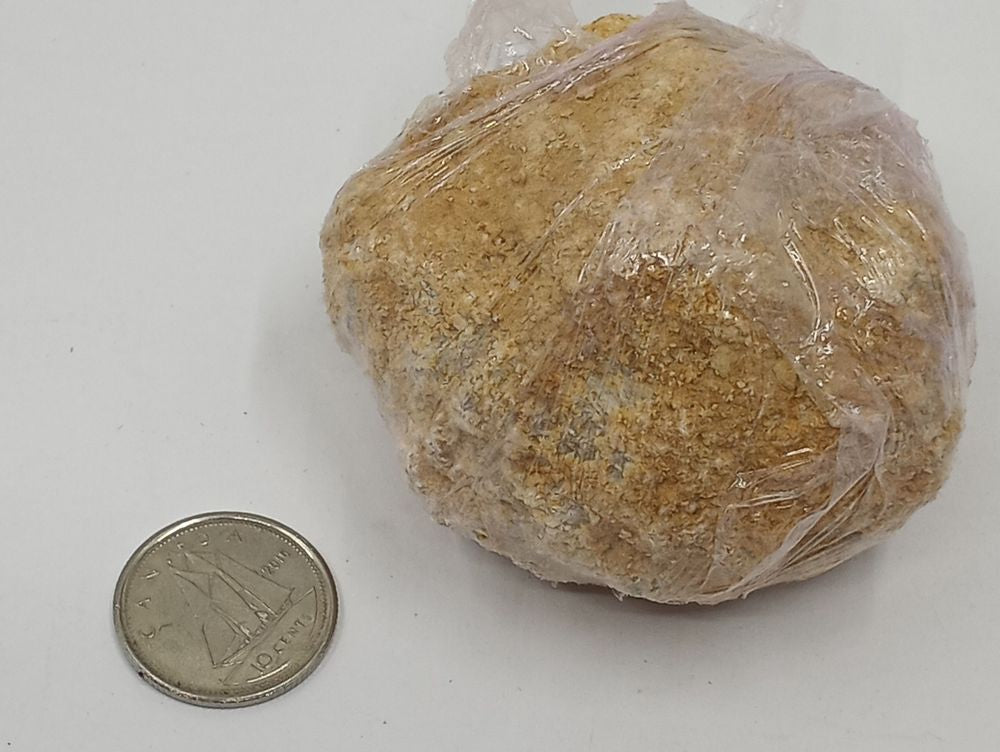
(775, 18)
(666, 306)
(498, 33)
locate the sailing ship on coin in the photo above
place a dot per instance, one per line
(238, 608)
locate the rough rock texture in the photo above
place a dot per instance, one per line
(670, 308)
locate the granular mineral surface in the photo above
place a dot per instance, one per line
(668, 307)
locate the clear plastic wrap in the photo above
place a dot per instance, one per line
(775, 18)
(663, 305)
(498, 34)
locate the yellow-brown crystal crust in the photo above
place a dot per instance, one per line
(670, 308)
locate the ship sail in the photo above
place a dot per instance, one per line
(236, 602)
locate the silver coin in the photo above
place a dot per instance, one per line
(225, 609)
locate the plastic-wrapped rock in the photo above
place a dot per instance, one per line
(668, 307)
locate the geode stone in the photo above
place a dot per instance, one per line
(668, 307)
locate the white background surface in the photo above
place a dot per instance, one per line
(164, 170)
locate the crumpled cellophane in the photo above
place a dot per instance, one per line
(662, 305)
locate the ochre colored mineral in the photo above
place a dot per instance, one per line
(670, 308)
